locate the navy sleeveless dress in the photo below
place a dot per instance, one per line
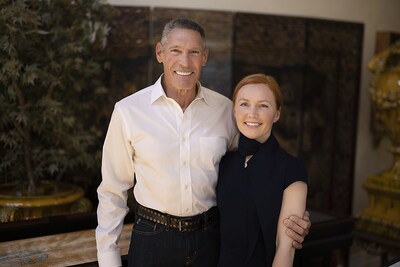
(249, 201)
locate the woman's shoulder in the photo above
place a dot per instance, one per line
(295, 168)
(289, 158)
(230, 159)
(230, 155)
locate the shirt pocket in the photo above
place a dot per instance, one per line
(211, 151)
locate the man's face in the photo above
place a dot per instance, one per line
(182, 56)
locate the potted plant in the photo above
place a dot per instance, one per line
(51, 81)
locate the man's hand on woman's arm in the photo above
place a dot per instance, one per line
(298, 228)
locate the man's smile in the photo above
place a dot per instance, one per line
(183, 73)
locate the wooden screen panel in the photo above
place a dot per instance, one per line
(129, 51)
(343, 41)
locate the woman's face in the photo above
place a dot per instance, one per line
(255, 111)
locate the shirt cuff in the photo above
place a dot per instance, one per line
(109, 259)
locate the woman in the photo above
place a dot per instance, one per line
(260, 184)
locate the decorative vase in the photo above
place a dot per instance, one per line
(382, 216)
(52, 199)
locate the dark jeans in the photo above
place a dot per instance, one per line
(152, 245)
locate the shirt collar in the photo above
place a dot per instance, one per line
(159, 92)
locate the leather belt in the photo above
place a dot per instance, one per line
(182, 224)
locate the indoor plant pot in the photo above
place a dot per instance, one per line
(68, 198)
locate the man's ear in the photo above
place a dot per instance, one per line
(205, 56)
(159, 52)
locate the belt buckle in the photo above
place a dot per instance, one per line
(181, 223)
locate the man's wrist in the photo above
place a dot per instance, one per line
(109, 259)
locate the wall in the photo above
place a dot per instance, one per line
(376, 16)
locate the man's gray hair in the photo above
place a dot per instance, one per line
(183, 23)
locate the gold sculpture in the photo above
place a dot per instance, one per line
(382, 216)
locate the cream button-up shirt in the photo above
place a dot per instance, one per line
(174, 156)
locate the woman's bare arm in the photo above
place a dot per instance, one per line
(293, 203)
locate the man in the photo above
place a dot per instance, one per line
(170, 136)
